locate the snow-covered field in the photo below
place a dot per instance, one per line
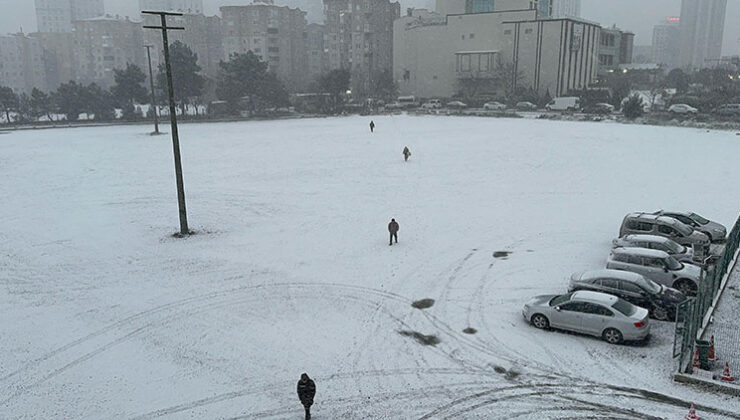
(105, 315)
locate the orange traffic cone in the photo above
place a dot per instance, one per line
(692, 414)
(712, 356)
(726, 374)
(696, 363)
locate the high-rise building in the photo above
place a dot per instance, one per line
(275, 34)
(58, 15)
(317, 63)
(665, 47)
(21, 63)
(565, 8)
(702, 25)
(359, 37)
(106, 43)
(184, 6)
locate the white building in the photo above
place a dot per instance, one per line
(702, 26)
(184, 6)
(545, 54)
(58, 15)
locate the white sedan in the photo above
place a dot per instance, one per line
(494, 106)
(682, 109)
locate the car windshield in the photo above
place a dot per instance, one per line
(675, 248)
(624, 307)
(673, 264)
(698, 219)
(683, 229)
(651, 286)
(558, 300)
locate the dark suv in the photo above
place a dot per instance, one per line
(660, 300)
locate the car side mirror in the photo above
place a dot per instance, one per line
(665, 269)
(557, 308)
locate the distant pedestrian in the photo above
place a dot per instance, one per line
(306, 392)
(406, 153)
(393, 229)
(372, 126)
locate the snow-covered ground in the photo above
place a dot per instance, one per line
(105, 315)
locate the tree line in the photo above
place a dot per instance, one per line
(243, 82)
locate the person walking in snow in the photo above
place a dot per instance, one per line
(372, 126)
(306, 392)
(406, 153)
(393, 229)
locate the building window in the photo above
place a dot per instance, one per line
(606, 60)
(607, 40)
(478, 6)
(272, 30)
(471, 36)
(507, 31)
(528, 31)
(273, 49)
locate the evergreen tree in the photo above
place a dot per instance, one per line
(41, 104)
(633, 108)
(8, 102)
(335, 83)
(129, 88)
(70, 98)
(186, 78)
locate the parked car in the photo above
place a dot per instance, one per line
(658, 266)
(494, 106)
(432, 104)
(593, 313)
(660, 300)
(599, 108)
(715, 231)
(674, 249)
(407, 102)
(456, 105)
(526, 106)
(650, 224)
(728, 110)
(564, 103)
(682, 109)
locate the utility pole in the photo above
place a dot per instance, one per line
(151, 81)
(184, 231)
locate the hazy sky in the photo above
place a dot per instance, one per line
(638, 16)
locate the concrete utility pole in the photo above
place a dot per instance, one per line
(151, 81)
(173, 117)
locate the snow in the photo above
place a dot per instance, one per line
(106, 315)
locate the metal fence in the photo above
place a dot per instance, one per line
(692, 316)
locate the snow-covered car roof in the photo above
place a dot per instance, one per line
(641, 252)
(611, 274)
(646, 238)
(654, 217)
(595, 297)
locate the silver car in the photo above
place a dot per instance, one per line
(658, 266)
(715, 231)
(668, 227)
(592, 313)
(669, 246)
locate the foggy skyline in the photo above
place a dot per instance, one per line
(21, 14)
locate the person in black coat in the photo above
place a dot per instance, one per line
(306, 392)
(372, 126)
(393, 229)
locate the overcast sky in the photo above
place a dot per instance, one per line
(638, 16)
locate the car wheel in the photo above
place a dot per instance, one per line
(612, 336)
(685, 286)
(660, 313)
(540, 321)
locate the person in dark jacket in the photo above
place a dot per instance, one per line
(306, 392)
(406, 153)
(372, 126)
(393, 229)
